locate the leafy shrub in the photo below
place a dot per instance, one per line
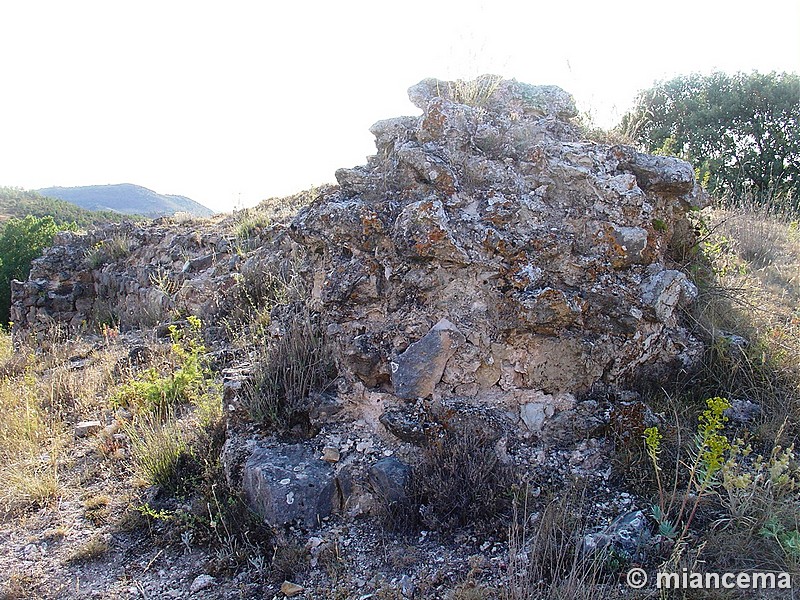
(168, 448)
(762, 496)
(22, 240)
(740, 130)
(187, 383)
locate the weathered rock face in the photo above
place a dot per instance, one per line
(487, 251)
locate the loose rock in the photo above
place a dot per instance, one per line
(202, 582)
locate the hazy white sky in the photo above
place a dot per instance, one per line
(250, 99)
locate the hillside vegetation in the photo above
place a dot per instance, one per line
(128, 199)
(19, 203)
(28, 223)
(740, 131)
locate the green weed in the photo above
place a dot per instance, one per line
(709, 456)
(189, 382)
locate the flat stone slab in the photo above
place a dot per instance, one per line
(417, 370)
(290, 483)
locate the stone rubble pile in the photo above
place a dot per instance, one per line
(488, 252)
(129, 274)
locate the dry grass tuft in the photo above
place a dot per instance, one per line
(96, 509)
(544, 556)
(31, 444)
(749, 312)
(93, 549)
(159, 449)
(289, 369)
(248, 224)
(19, 587)
(459, 481)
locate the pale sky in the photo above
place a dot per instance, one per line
(250, 99)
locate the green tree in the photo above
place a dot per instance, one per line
(22, 240)
(740, 131)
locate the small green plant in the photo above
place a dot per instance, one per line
(652, 440)
(788, 539)
(659, 225)
(147, 510)
(708, 459)
(187, 383)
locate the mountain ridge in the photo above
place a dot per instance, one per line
(127, 198)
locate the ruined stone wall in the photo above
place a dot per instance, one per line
(487, 251)
(128, 274)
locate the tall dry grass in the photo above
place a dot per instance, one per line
(31, 441)
(749, 312)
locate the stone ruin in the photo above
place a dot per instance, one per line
(489, 253)
(130, 274)
(487, 259)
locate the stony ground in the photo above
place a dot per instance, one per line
(95, 537)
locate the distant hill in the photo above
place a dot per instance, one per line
(127, 198)
(17, 203)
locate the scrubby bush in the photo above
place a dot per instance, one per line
(289, 369)
(188, 382)
(165, 442)
(460, 480)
